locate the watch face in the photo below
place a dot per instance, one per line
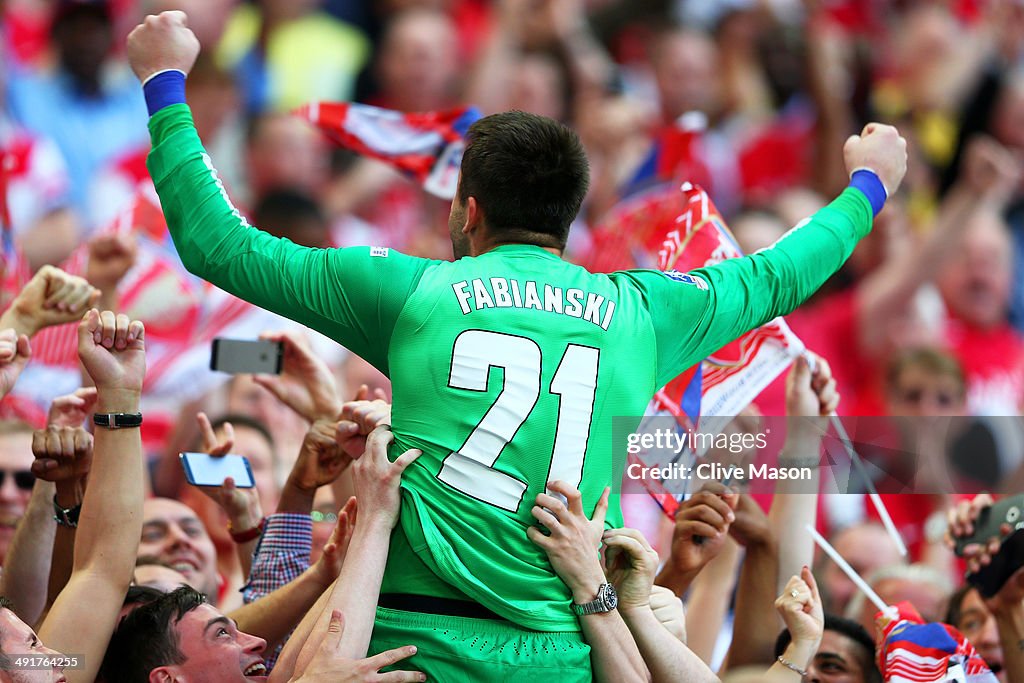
(609, 596)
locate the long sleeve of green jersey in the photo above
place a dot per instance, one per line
(353, 295)
(694, 317)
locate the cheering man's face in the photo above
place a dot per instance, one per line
(172, 533)
(214, 651)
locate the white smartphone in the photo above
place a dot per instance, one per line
(203, 469)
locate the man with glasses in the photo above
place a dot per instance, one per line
(16, 479)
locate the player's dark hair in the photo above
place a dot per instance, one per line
(853, 631)
(529, 175)
(145, 639)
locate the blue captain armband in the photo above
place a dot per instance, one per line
(163, 89)
(868, 182)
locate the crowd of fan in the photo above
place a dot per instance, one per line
(924, 320)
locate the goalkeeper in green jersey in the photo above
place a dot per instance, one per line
(507, 365)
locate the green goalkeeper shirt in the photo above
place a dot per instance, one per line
(506, 368)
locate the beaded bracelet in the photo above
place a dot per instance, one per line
(792, 667)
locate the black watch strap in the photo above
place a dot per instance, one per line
(117, 420)
(66, 516)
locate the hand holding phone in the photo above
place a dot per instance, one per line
(1002, 524)
(203, 469)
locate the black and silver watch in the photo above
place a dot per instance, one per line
(66, 516)
(606, 601)
(117, 420)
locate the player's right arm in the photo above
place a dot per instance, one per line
(352, 295)
(695, 316)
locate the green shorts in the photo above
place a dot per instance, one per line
(454, 649)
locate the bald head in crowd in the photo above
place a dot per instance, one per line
(418, 61)
(976, 281)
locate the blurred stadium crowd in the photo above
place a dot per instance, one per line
(752, 99)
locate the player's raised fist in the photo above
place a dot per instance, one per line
(163, 41)
(881, 149)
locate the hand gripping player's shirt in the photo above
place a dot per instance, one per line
(507, 364)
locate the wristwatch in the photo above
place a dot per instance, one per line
(117, 420)
(66, 516)
(605, 601)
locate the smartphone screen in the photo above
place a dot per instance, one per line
(203, 469)
(258, 357)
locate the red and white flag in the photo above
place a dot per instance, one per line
(425, 146)
(732, 377)
(912, 651)
(676, 228)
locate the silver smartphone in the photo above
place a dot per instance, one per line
(245, 356)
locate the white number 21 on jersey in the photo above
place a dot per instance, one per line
(471, 468)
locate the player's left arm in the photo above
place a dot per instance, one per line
(696, 315)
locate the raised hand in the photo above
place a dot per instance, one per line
(990, 170)
(630, 564)
(751, 526)
(811, 392)
(801, 610)
(961, 523)
(328, 665)
(328, 567)
(573, 538)
(702, 525)
(211, 443)
(241, 505)
(881, 149)
(162, 42)
(113, 351)
(15, 351)
(321, 459)
(63, 454)
(978, 555)
(668, 608)
(72, 409)
(377, 479)
(110, 258)
(306, 384)
(51, 297)
(359, 418)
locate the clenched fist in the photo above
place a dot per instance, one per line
(881, 149)
(162, 42)
(112, 349)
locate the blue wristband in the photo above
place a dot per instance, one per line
(163, 90)
(868, 182)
